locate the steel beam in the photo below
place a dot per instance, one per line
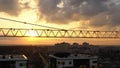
(49, 33)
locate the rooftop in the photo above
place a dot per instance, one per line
(72, 56)
(12, 57)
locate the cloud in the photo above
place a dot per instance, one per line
(114, 15)
(92, 7)
(73, 10)
(99, 20)
(10, 6)
(108, 18)
(98, 12)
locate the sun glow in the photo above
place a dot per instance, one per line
(31, 33)
(29, 12)
(29, 17)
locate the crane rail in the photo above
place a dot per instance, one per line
(50, 33)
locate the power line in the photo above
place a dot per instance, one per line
(31, 23)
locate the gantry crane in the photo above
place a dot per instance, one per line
(52, 32)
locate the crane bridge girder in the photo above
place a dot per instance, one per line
(49, 33)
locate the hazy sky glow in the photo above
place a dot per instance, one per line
(68, 14)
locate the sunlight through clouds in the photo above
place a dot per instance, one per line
(65, 14)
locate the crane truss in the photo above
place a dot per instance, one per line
(49, 33)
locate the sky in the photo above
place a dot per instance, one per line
(68, 14)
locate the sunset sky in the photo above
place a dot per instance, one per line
(68, 14)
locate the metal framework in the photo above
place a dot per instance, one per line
(49, 33)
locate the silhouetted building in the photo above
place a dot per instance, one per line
(66, 60)
(85, 44)
(13, 61)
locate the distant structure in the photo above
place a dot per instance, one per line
(13, 61)
(62, 44)
(75, 44)
(67, 60)
(85, 44)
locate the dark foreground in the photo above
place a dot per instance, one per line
(109, 56)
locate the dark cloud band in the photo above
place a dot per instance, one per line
(10, 6)
(99, 12)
